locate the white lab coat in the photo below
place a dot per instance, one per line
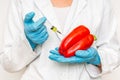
(18, 54)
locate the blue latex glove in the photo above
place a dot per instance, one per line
(33, 45)
(35, 32)
(81, 56)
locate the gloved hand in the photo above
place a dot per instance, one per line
(35, 32)
(33, 45)
(81, 56)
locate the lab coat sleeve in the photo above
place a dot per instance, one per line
(107, 43)
(17, 50)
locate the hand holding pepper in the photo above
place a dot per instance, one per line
(76, 47)
(81, 56)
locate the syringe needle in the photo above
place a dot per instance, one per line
(53, 28)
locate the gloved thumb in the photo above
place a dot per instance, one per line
(29, 17)
(91, 52)
(82, 53)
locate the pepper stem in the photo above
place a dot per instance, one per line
(95, 38)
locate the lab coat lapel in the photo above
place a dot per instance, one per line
(76, 9)
(46, 10)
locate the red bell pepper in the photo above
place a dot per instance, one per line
(79, 39)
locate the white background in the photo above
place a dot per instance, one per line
(16, 76)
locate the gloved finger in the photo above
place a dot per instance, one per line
(58, 58)
(44, 38)
(83, 54)
(54, 52)
(73, 59)
(29, 17)
(91, 50)
(54, 57)
(40, 40)
(38, 24)
(42, 28)
(56, 48)
(43, 33)
(31, 29)
(35, 32)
